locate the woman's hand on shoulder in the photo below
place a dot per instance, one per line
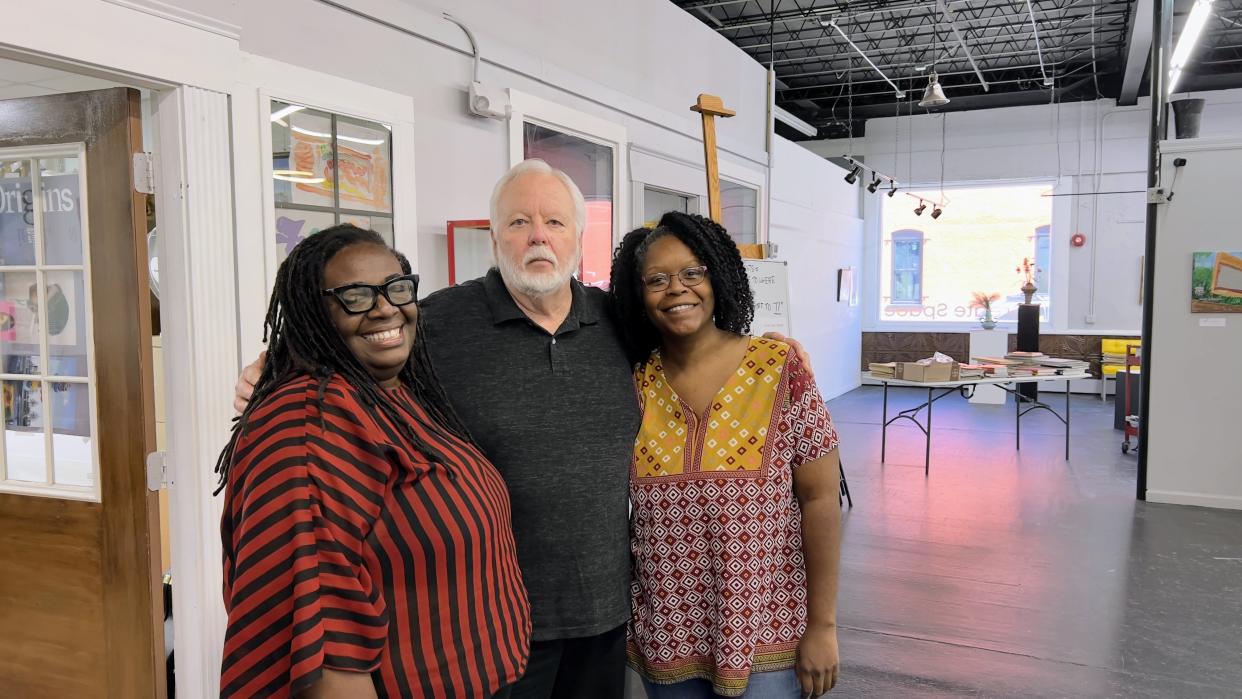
(818, 660)
(798, 350)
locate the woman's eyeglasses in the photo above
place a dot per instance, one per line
(690, 276)
(361, 298)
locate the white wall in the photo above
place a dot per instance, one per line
(1083, 147)
(817, 225)
(1193, 456)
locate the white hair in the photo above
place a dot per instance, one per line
(537, 165)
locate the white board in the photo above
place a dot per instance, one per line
(769, 282)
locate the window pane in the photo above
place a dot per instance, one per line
(19, 332)
(66, 323)
(293, 226)
(302, 162)
(71, 434)
(657, 202)
(364, 162)
(17, 234)
(24, 446)
(739, 210)
(589, 165)
(931, 267)
(62, 212)
(383, 226)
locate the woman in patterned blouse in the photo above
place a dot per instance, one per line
(367, 542)
(736, 521)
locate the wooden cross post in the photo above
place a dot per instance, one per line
(711, 106)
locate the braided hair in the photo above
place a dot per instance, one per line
(302, 340)
(711, 244)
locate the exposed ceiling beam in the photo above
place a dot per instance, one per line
(1136, 52)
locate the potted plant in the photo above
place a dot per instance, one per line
(980, 299)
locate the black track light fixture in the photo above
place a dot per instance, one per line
(893, 188)
(936, 212)
(922, 207)
(853, 176)
(875, 184)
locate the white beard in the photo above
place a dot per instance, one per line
(537, 283)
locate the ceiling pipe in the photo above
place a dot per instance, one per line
(1038, 51)
(944, 11)
(900, 93)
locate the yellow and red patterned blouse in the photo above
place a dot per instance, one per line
(719, 585)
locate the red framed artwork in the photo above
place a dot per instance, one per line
(469, 249)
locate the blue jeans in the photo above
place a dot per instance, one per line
(782, 684)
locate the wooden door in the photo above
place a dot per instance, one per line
(81, 612)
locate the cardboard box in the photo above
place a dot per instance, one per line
(936, 371)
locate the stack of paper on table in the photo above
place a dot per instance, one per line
(883, 369)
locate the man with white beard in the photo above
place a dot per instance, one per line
(532, 363)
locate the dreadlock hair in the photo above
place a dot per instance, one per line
(302, 340)
(711, 244)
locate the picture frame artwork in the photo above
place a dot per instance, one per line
(1216, 282)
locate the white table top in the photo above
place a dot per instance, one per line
(981, 381)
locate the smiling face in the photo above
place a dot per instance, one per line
(679, 310)
(380, 339)
(535, 241)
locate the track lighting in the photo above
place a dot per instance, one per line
(893, 189)
(922, 207)
(853, 176)
(875, 184)
(936, 212)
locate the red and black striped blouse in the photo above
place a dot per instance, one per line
(346, 548)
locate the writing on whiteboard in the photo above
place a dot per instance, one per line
(769, 283)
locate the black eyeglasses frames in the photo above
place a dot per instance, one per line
(361, 298)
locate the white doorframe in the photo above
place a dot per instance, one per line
(199, 333)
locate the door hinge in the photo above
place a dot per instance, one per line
(157, 471)
(144, 173)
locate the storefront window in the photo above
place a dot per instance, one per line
(657, 202)
(739, 211)
(328, 169)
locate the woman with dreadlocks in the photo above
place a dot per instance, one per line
(367, 542)
(735, 527)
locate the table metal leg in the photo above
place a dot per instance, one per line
(884, 425)
(1067, 418)
(927, 452)
(1017, 416)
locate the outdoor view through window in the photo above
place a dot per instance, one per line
(930, 268)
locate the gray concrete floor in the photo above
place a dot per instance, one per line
(1019, 574)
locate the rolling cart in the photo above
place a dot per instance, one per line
(1131, 427)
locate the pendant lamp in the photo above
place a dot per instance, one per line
(933, 95)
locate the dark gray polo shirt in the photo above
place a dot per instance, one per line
(557, 415)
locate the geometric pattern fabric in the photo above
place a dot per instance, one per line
(719, 584)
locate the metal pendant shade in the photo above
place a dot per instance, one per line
(933, 95)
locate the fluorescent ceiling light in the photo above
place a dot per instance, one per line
(301, 176)
(286, 111)
(794, 122)
(351, 139)
(1186, 41)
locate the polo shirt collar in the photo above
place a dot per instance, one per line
(504, 308)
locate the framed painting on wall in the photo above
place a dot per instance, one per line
(1216, 282)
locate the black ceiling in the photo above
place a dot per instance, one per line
(1088, 48)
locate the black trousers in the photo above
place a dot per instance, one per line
(575, 668)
